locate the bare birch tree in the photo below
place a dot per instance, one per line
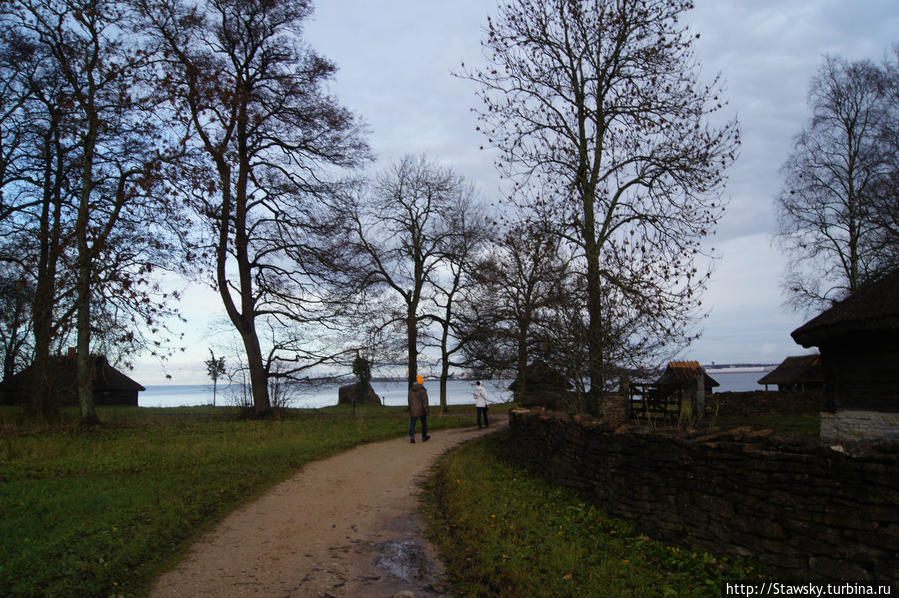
(838, 207)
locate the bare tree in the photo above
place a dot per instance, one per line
(94, 157)
(266, 139)
(215, 369)
(15, 333)
(835, 220)
(886, 212)
(399, 233)
(34, 164)
(462, 248)
(515, 287)
(19, 60)
(596, 110)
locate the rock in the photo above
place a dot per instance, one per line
(346, 394)
(540, 377)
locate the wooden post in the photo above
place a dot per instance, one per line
(699, 402)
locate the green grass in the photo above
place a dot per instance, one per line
(801, 426)
(502, 531)
(102, 511)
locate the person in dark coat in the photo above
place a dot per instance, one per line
(418, 408)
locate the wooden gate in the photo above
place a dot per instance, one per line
(653, 403)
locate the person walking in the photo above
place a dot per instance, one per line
(418, 408)
(480, 401)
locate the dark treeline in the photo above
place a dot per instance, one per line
(198, 137)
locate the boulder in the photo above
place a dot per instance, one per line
(347, 394)
(544, 387)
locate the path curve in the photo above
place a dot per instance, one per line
(344, 526)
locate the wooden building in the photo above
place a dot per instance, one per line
(859, 343)
(682, 383)
(801, 373)
(111, 387)
(682, 375)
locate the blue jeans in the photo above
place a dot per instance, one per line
(484, 411)
(424, 426)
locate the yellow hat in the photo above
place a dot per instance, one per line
(420, 379)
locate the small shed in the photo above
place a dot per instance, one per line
(111, 387)
(681, 382)
(682, 375)
(800, 373)
(859, 343)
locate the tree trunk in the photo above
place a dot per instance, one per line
(444, 376)
(445, 355)
(412, 341)
(42, 404)
(85, 373)
(85, 376)
(594, 301)
(258, 377)
(595, 330)
(244, 319)
(521, 386)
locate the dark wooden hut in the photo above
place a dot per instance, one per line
(859, 343)
(111, 387)
(800, 373)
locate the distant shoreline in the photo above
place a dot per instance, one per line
(753, 369)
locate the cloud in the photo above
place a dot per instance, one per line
(746, 321)
(395, 59)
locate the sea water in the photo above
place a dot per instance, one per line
(392, 393)
(313, 396)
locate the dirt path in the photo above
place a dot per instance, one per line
(345, 526)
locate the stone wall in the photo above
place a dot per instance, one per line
(803, 512)
(760, 402)
(852, 426)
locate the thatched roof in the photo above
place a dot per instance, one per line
(63, 370)
(680, 373)
(871, 309)
(801, 368)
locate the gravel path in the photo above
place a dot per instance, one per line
(345, 526)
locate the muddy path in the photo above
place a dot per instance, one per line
(344, 526)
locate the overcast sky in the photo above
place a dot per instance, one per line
(396, 58)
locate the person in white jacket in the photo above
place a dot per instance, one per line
(480, 401)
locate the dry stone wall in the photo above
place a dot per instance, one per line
(849, 426)
(804, 512)
(761, 403)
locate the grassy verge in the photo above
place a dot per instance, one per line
(502, 531)
(102, 511)
(801, 426)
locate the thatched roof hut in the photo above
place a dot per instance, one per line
(796, 374)
(859, 343)
(111, 387)
(682, 375)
